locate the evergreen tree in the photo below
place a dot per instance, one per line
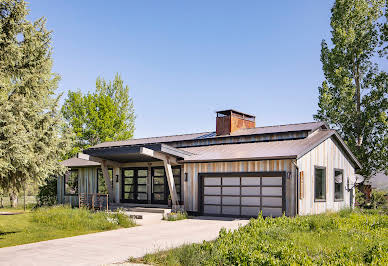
(353, 97)
(32, 141)
(104, 115)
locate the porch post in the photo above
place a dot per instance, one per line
(108, 184)
(171, 183)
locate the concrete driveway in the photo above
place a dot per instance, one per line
(117, 245)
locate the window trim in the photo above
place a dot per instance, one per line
(64, 182)
(322, 168)
(343, 183)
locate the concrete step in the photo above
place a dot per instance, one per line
(143, 218)
(141, 209)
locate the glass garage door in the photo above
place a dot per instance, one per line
(243, 195)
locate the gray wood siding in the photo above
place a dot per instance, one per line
(193, 169)
(329, 155)
(87, 183)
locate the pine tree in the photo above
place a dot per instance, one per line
(353, 97)
(31, 138)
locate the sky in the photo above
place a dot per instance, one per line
(184, 60)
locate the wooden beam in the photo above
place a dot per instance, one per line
(171, 184)
(108, 184)
(158, 155)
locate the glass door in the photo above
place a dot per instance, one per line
(159, 186)
(134, 186)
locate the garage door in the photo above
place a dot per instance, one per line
(243, 194)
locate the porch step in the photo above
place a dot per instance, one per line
(143, 218)
(137, 209)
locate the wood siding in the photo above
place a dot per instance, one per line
(192, 170)
(87, 183)
(329, 155)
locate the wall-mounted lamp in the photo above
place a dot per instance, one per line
(185, 177)
(117, 178)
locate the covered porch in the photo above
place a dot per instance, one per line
(141, 175)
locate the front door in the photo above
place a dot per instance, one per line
(134, 188)
(159, 186)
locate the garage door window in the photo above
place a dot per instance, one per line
(320, 183)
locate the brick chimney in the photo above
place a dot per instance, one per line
(229, 121)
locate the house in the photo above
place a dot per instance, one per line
(237, 170)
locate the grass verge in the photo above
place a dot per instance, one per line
(344, 238)
(57, 222)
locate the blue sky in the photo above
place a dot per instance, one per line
(184, 60)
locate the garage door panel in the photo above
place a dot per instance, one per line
(276, 181)
(229, 181)
(231, 191)
(231, 200)
(250, 201)
(272, 191)
(231, 210)
(210, 209)
(212, 200)
(250, 181)
(212, 181)
(250, 211)
(269, 201)
(250, 191)
(212, 191)
(274, 212)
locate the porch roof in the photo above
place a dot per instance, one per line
(133, 153)
(79, 162)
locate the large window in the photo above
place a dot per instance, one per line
(71, 182)
(319, 183)
(101, 187)
(338, 185)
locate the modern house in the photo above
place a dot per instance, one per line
(237, 170)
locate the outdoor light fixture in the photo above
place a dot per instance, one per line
(117, 178)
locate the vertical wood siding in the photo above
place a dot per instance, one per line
(329, 155)
(87, 183)
(193, 169)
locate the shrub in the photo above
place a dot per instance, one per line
(175, 216)
(65, 217)
(344, 238)
(47, 193)
(377, 199)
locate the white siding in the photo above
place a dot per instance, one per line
(328, 154)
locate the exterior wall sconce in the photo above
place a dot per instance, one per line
(117, 178)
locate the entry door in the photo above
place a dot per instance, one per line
(243, 194)
(134, 188)
(159, 189)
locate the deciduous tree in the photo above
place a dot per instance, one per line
(353, 97)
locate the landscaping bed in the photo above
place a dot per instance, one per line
(57, 222)
(344, 238)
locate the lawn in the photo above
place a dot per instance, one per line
(56, 222)
(344, 238)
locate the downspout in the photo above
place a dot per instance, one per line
(297, 188)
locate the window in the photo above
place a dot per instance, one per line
(101, 188)
(71, 182)
(320, 183)
(338, 185)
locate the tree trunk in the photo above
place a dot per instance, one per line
(358, 105)
(13, 198)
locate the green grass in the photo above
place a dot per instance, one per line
(175, 216)
(56, 222)
(344, 238)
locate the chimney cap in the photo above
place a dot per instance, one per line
(232, 111)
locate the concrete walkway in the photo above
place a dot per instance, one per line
(117, 245)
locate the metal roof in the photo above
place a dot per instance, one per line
(310, 126)
(263, 150)
(78, 162)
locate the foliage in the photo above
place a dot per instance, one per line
(31, 138)
(175, 216)
(377, 199)
(353, 98)
(56, 222)
(65, 218)
(344, 238)
(105, 115)
(47, 195)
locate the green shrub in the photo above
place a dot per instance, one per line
(377, 199)
(344, 238)
(175, 216)
(65, 217)
(47, 193)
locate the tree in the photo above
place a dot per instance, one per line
(104, 115)
(32, 141)
(353, 97)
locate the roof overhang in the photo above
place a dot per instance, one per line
(136, 153)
